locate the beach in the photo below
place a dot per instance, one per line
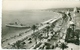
(25, 17)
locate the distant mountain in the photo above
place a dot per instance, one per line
(71, 9)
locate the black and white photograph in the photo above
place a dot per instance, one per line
(40, 24)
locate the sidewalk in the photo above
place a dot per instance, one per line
(73, 46)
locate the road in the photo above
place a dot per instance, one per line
(11, 41)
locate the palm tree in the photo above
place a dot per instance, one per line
(63, 46)
(36, 36)
(44, 30)
(47, 29)
(18, 44)
(64, 16)
(52, 25)
(34, 27)
(40, 37)
(73, 28)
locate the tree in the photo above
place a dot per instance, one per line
(73, 29)
(34, 27)
(40, 37)
(63, 46)
(36, 36)
(18, 44)
(47, 29)
(77, 35)
(52, 25)
(64, 16)
(69, 30)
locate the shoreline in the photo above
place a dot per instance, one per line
(29, 33)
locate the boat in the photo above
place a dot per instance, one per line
(16, 25)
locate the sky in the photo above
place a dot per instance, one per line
(37, 4)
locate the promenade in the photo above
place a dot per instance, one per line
(60, 25)
(24, 35)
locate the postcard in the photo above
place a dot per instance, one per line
(40, 24)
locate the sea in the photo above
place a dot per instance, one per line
(27, 17)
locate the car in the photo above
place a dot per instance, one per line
(30, 41)
(29, 38)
